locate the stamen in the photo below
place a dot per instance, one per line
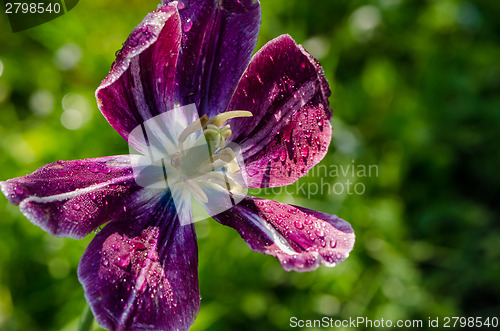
(192, 128)
(210, 165)
(223, 117)
(224, 181)
(218, 161)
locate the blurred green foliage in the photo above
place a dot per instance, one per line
(415, 93)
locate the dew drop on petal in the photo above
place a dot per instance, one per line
(187, 26)
(122, 262)
(304, 151)
(299, 225)
(283, 155)
(320, 233)
(76, 206)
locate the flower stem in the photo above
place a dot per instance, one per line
(86, 320)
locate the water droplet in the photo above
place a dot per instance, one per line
(283, 155)
(181, 5)
(105, 263)
(76, 206)
(298, 225)
(333, 243)
(320, 233)
(304, 151)
(139, 245)
(133, 42)
(187, 26)
(122, 262)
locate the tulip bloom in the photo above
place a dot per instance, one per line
(141, 271)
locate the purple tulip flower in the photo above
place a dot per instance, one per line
(141, 271)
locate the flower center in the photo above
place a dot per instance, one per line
(207, 163)
(192, 158)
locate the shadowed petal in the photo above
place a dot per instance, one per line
(72, 198)
(141, 273)
(141, 82)
(300, 238)
(285, 89)
(218, 40)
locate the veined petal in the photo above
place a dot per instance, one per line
(300, 238)
(141, 82)
(285, 89)
(141, 272)
(72, 198)
(218, 40)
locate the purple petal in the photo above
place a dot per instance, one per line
(141, 273)
(72, 198)
(141, 82)
(300, 238)
(218, 40)
(285, 89)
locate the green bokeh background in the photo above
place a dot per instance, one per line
(416, 94)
